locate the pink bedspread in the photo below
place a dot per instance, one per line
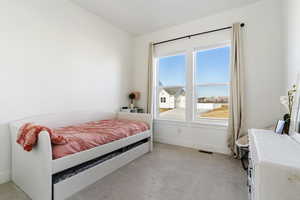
(29, 134)
(92, 134)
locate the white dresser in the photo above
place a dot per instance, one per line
(274, 166)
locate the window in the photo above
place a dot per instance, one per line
(171, 87)
(193, 86)
(163, 100)
(212, 83)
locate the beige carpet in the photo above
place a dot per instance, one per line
(169, 173)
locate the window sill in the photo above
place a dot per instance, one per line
(215, 122)
(204, 123)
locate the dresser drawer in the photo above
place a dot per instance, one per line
(274, 166)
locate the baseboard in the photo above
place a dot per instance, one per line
(4, 176)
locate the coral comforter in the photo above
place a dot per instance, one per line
(82, 137)
(85, 136)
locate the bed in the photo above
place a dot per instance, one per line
(43, 178)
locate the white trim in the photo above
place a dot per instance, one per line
(156, 89)
(212, 84)
(189, 87)
(170, 54)
(198, 124)
(214, 46)
(4, 176)
(171, 86)
(211, 120)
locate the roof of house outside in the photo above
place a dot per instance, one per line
(175, 91)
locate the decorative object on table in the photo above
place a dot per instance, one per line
(287, 102)
(133, 96)
(140, 110)
(125, 109)
(280, 126)
(294, 130)
(133, 110)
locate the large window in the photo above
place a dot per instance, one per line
(193, 85)
(171, 87)
(212, 83)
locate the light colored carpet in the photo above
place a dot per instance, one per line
(169, 173)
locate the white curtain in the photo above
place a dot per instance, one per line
(236, 101)
(150, 78)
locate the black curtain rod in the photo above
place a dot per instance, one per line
(196, 34)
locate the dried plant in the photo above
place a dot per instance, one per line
(288, 101)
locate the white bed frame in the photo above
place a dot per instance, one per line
(32, 171)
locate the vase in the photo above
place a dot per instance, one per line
(131, 106)
(287, 120)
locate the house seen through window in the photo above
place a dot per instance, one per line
(171, 87)
(210, 75)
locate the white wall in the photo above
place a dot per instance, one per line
(263, 60)
(57, 57)
(291, 41)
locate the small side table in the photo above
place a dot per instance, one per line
(243, 147)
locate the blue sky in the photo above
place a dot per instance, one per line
(212, 67)
(172, 70)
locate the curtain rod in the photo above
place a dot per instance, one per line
(196, 34)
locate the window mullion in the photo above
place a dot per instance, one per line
(212, 84)
(189, 86)
(157, 89)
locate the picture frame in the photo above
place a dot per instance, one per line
(280, 126)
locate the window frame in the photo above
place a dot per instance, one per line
(195, 85)
(190, 85)
(157, 88)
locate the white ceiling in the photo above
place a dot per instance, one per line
(143, 16)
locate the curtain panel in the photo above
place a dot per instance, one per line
(150, 78)
(236, 123)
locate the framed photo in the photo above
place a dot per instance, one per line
(280, 126)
